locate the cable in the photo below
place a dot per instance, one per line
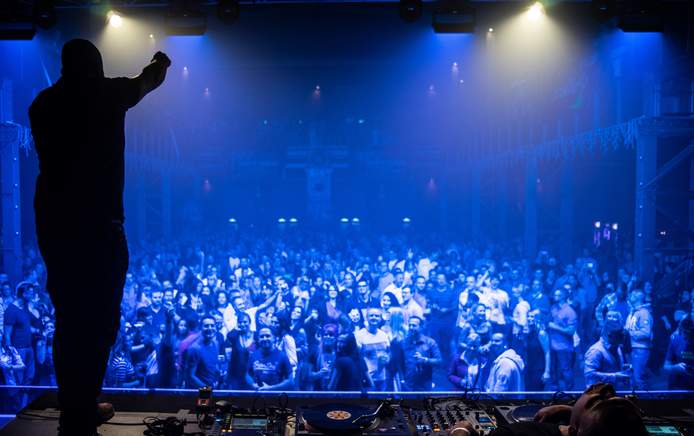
(170, 426)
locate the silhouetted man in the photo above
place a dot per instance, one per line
(78, 129)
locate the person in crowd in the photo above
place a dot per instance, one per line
(284, 341)
(11, 364)
(679, 361)
(396, 329)
(639, 326)
(18, 333)
(604, 360)
(538, 299)
(241, 341)
(374, 345)
(388, 302)
(156, 311)
(497, 301)
(121, 371)
(443, 303)
(478, 323)
(349, 372)
(268, 368)
(322, 360)
(561, 329)
(202, 357)
(333, 308)
(534, 348)
(614, 300)
(506, 367)
(466, 371)
(421, 356)
(409, 306)
(356, 321)
(362, 300)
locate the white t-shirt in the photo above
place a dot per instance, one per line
(372, 346)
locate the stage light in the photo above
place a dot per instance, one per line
(281, 220)
(615, 227)
(641, 16)
(536, 11)
(410, 10)
(151, 36)
(344, 220)
(603, 10)
(491, 29)
(453, 16)
(293, 220)
(114, 19)
(44, 14)
(406, 220)
(355, 221)
(186, 18)
(597, 224)
(228, 11)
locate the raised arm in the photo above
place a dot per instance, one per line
(153, 74)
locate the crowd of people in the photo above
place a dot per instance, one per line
(351, 313)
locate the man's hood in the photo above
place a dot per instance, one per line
(511, 355)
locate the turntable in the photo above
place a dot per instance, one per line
(512, 413)
(347, 420)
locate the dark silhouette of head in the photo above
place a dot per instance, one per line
(81, 60)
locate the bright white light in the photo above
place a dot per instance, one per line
(615, 227)
(293, 220)
(491, 29)
(406, 220)
(281, 220)
(344, 220)
(536, 11)
(114, 19)
(597, 224)
(151, 36)
(355, 220)
(232, 220)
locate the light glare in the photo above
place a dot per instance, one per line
(536, 11)
(114, 19)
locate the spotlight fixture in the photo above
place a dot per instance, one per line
(186, 18)
(44, 14)
(453, 16)
(410, 10)
(604, 10)
(114, 19)
(228, 11)
(641, 16)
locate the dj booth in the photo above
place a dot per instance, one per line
(231, 413)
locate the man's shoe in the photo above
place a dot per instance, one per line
(104, 412)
